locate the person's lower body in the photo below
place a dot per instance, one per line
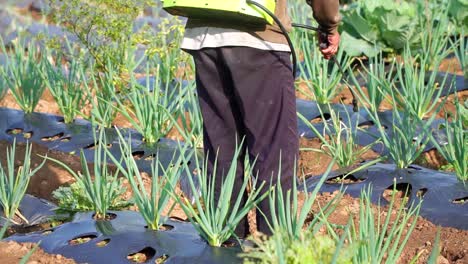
(248, 95)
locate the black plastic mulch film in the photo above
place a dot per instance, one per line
(444, 196)
(115, 240)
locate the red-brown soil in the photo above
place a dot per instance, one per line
(12, 253)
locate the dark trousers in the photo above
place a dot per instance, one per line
(248, 94)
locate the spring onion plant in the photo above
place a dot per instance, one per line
(24, 75)
(408, 135)
(216, 219)
(13, 184)
(455, 150)
(293, 240)
(339, 140)
(382, 239)
(150, 204)
(191, 119)
(102, 88)
(150, 112)
(325, 75)
(104, 188)
(406, 139)
(434, 38)
(377, 76)
(3, 85)
(286, 214)
(66, 88)
(414, 89)
(460, 48)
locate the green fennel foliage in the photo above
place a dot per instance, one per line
(307, 248)
(73, 199)
(216, 219)
(150, 204)
(24, 75)
(13, 184)
(102, 189)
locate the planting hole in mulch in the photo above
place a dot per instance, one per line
(47, 232)
(142, 256)
(161, 259)
(343, 179)
(320, 119)
(82, 239)
(150, 157)
(65, 139)
(414, 168)
(109, 216)
(93, 146)
(229, 244)
(420, 194)
(402, 192)
(164, 227)
(368, 124)
(138, 154)
(14, 131)
(103, 243)
(28, 135)
(178, 219)
(463, 200)
(53, 138)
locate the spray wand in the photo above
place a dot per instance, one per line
(293, 51)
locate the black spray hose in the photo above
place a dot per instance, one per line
(338, 64)
(293, 50)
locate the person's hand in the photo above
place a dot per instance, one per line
(328, 44)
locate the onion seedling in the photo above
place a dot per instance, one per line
(406, 139)
(376, 77)
(434, 40)
(460, 48)
(215, 215)
(325, 75)
(103, 89)
(339, 140)
(455, 150)
(24, 75)
(415, 90)
(150, 112)
(286, 214)
(190, 118)
(66, 89)
(380, 240)
(13, 185)
(102, 189)
(152, 204)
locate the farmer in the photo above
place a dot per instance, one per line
(246, 91)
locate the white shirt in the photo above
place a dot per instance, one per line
(212, 37)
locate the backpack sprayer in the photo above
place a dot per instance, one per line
(243, 11)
